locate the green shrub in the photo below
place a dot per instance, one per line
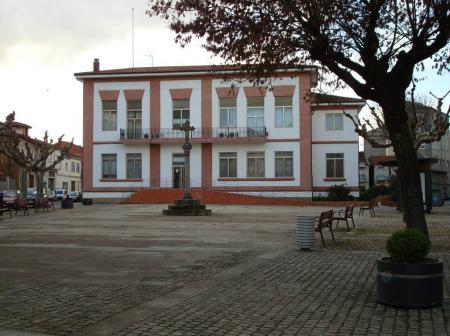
(338, 193)
(408, 245)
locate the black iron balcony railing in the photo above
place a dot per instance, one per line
(199, 133)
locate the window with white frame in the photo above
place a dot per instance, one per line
(334, 122)
(255, 164)
(78, 167)
(109, 165)
(283, 112)
(72, 167)
(134, 165)
(255, 116)
(284, 164)
(335, 165)
(180, 112)
(227, 112)
(134, 119)
(109, 111)
(228, 164)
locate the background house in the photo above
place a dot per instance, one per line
(433, 158)
(67, 174)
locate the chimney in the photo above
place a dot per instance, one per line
(96, 65)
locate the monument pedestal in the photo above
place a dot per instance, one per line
(187, 206)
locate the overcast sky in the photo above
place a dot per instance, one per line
(43, 42)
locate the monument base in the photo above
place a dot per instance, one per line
(187, 206)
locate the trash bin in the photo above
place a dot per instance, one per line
(305, 232)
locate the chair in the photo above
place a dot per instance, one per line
(368, 207)
(324, 220)
(345, 215)
(22, 204)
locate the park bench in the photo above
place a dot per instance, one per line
(368, 207)
(345, 215)
(325, 220)
(3, 207)
(44, 204)
(22, 204)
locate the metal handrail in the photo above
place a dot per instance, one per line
(198, 133)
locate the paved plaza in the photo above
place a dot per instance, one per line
(128, 270)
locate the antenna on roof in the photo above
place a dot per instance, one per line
(132, 37)
(151, 56)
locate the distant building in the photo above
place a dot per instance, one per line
(67, 174)
(434, 157)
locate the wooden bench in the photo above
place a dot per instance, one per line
(345, 215)
(368, 207)
(3, 207)
(22, 204)
(325, 220)
(44, 204)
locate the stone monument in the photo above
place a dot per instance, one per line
(187, 206)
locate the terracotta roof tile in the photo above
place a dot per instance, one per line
(322, 98)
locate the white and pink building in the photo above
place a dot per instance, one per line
(280, 139)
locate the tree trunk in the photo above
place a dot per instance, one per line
(39, 183)
(409, 179)
(23, 182)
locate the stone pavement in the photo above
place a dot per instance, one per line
(127, 270)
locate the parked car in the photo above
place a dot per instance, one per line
(9, 197)
(51, 195)
(31, 195)
(75, 196)
(60, 193)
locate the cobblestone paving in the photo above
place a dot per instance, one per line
(63, 273)
(317, 293)
(60, 308)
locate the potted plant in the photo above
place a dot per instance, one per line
(407, 278)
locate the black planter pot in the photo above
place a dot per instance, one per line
(410, 285)
(66, 204)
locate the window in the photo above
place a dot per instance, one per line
(255, 116)
(72, 185)
(66, 166)
(134, 165)
(180, 108)
(78, 167)
(228, 164)
(109, 165)
(72, 167)
(255, 164)
(134, 119)
(335, 165)
(334, 122)
(228, 112)
(109, 115)
(284, 164)
(283, 112)
(380, 174)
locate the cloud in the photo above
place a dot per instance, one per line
(54, 29)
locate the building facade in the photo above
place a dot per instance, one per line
(278, 140)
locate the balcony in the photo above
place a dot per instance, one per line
(199, 135)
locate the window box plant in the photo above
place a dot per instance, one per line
(407, 278)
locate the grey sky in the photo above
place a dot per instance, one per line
(43, 42)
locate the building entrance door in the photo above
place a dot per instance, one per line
(178, 171)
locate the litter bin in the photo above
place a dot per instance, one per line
(305, 232)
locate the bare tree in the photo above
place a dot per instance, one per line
(31, 154)
(373, 46)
